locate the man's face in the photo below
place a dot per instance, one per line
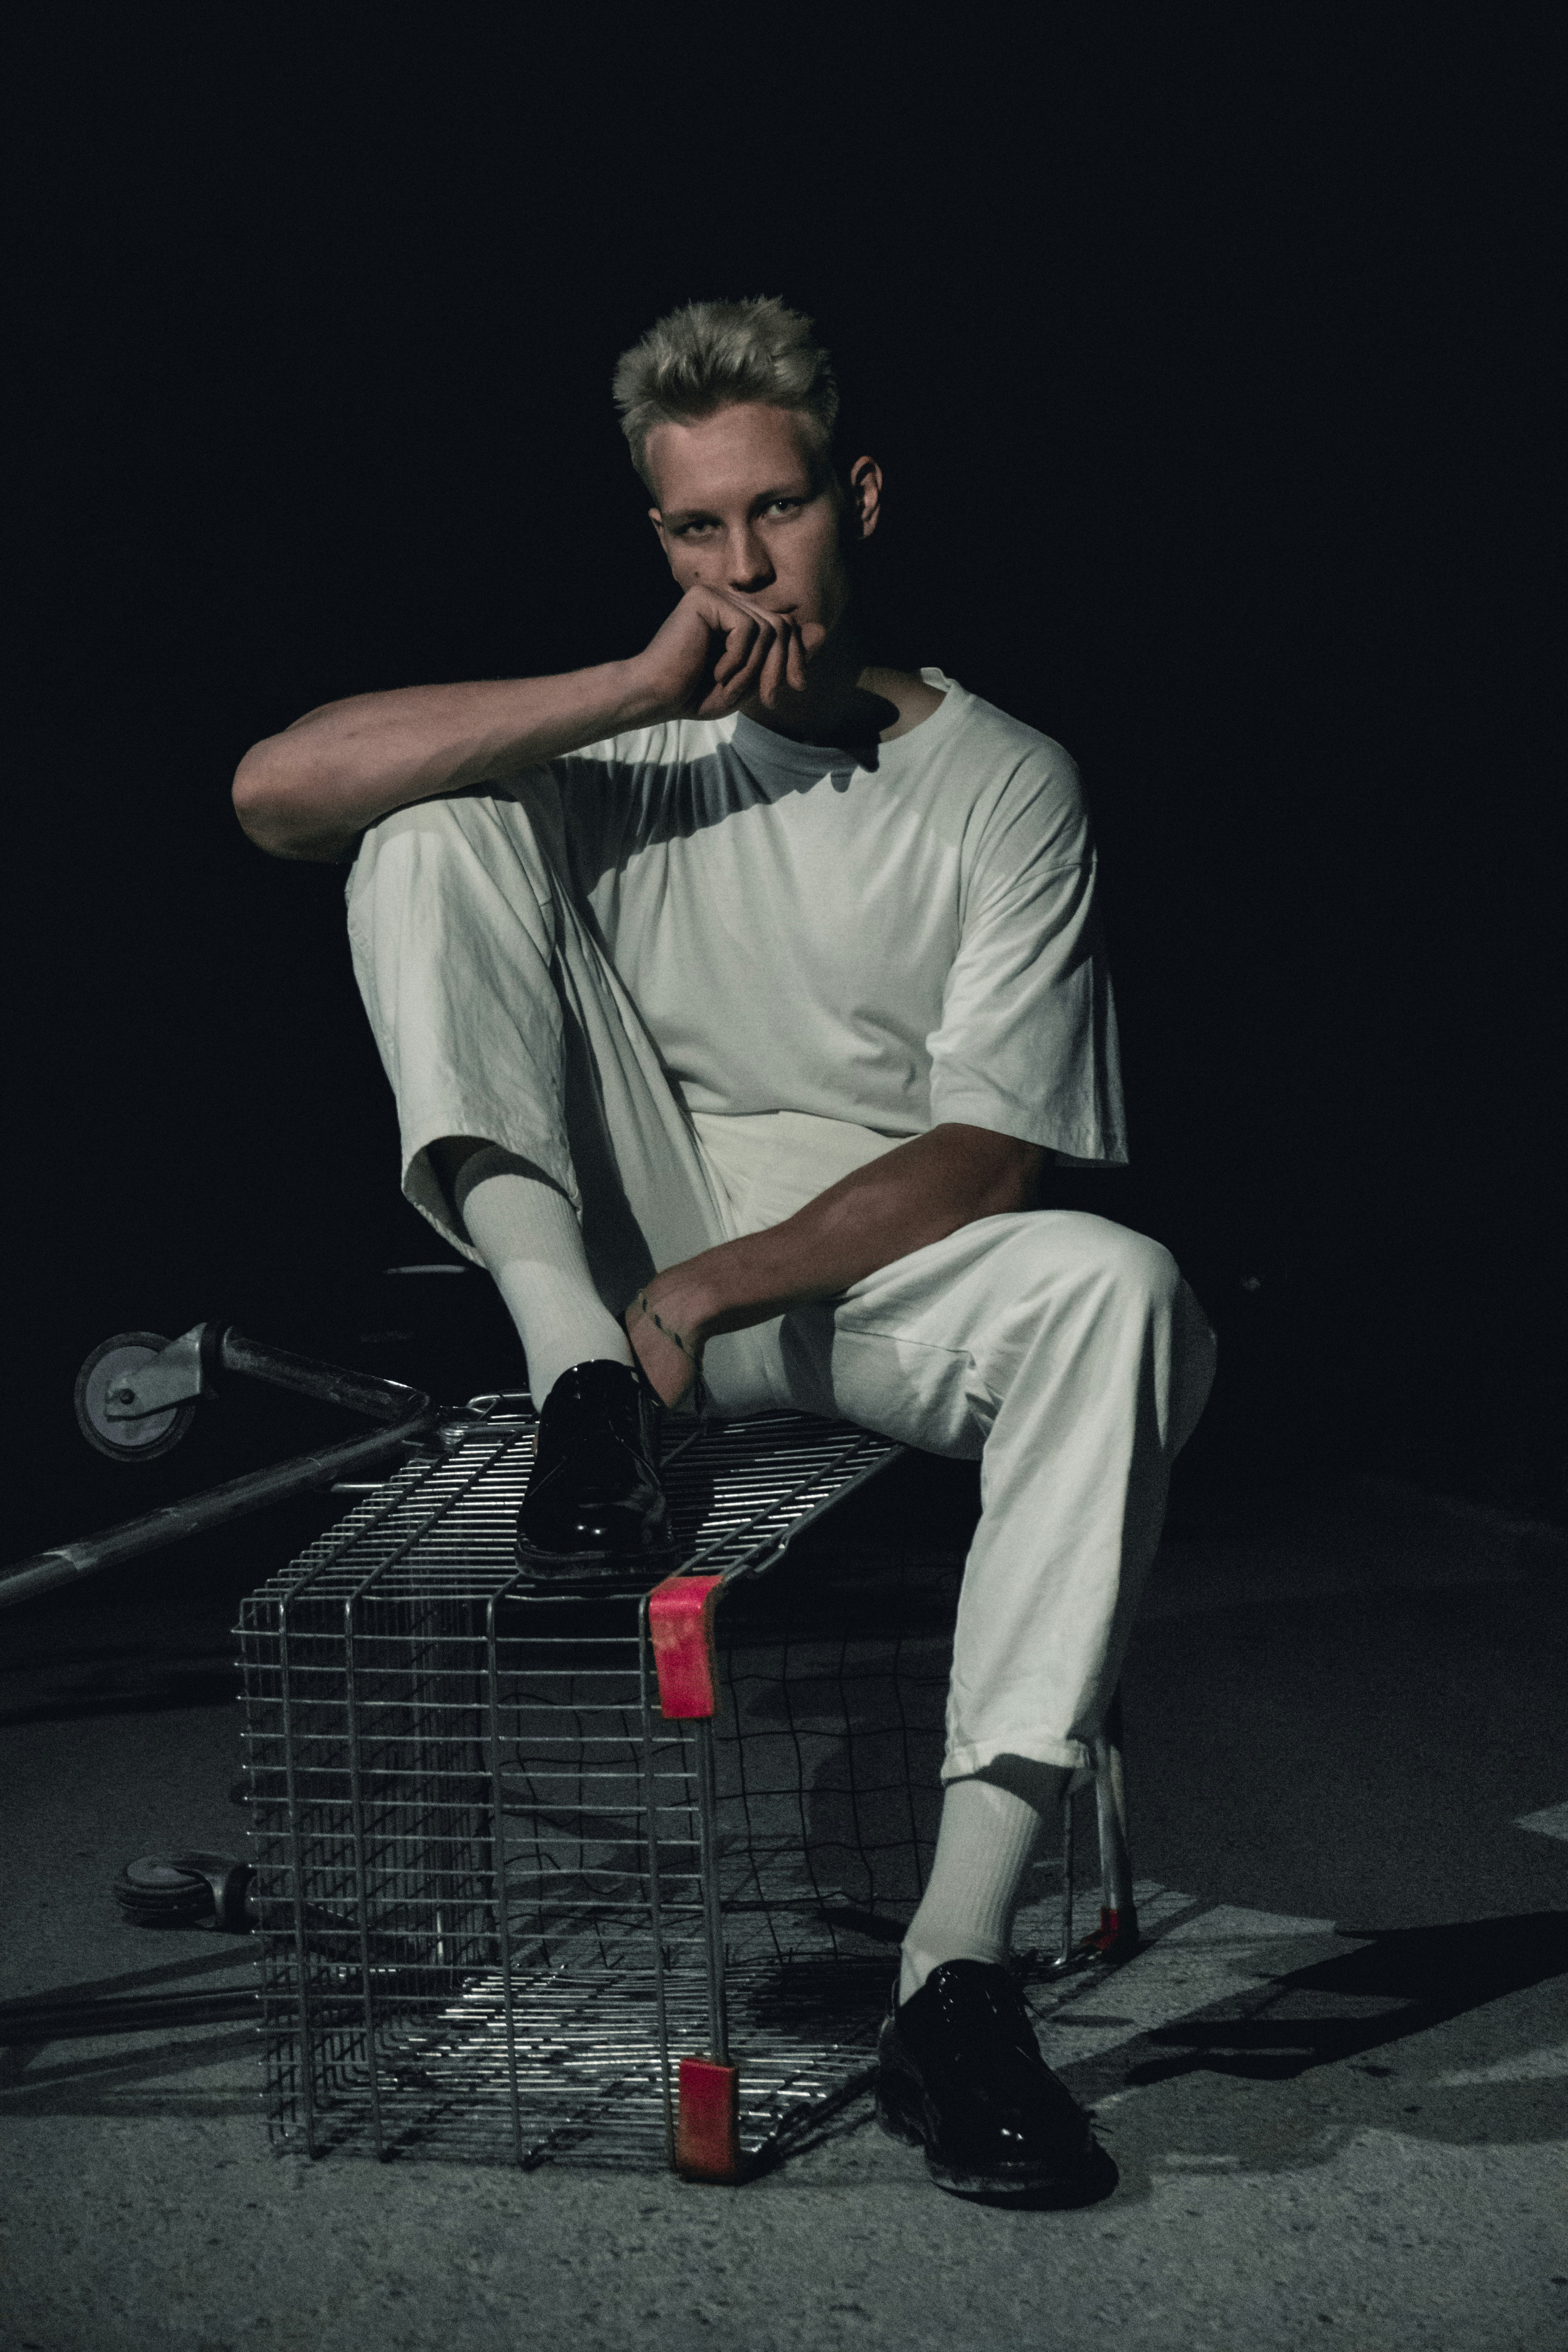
(748, 503)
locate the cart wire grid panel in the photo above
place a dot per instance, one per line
(505, 1902)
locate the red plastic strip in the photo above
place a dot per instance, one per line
(1118, 1933)
(681, 1620)
(707, 2121)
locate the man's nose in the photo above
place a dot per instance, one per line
(747, 561)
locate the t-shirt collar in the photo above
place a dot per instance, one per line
(782, 755)
(762, 748)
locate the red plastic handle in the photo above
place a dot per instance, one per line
(707, 2121)
(681, 1620)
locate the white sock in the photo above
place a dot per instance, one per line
(983, 1846)
(527, 1235)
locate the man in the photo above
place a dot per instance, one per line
(735, 996)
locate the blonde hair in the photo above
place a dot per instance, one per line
(711, 354)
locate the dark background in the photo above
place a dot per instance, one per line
(1210, 370)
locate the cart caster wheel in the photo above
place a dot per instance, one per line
(187, 1890)
(126, 1441)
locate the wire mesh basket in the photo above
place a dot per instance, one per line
(502, 1894)
(615, 1881)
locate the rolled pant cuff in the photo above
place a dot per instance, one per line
(1066, 1754)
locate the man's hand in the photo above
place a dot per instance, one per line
(670, 1359)
(923, 1190)
(715, 651)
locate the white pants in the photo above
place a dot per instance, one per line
(1065, 1351)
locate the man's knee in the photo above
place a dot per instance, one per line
(1088, 1272)
(1142, 1290)
(1144, 1270)
(462, 882)
(1140, 1273)
(421, 856)
(449, 833)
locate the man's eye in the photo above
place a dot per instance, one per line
(690, 530)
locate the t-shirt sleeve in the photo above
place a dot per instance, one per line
(1028, 1044)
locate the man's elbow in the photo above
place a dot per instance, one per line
(979, 1172)
(269, 806)
(1007, 1173)
(259, 803)
(1018, 1179)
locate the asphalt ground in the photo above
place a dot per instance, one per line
(1331, 2089)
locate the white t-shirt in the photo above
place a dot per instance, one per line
(896, 937)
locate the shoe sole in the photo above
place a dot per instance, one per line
(528, 1556)
(1015, 2181)
(589, 1573)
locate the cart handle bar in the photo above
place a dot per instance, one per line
(409, 1414)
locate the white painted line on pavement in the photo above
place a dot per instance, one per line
(1550, 1822)
(1548, 2065)
(1221, 1954)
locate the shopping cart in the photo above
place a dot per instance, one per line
(615, 1881)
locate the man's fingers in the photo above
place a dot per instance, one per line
(764, 653)
(669, 1371)
(739, 642)
(743, 682)
(775, 668)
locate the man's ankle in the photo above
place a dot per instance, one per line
(916, 1965)
(596, 1381)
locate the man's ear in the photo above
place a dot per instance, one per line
(866, 494)
(855, 526)
(859, 502)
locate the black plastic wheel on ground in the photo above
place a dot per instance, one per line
(126, 1441)
(187, 1890)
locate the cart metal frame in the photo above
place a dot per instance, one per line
(544, 1879)
(541, 1879)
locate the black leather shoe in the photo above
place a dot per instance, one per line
(593, 1509)
(959, 2072)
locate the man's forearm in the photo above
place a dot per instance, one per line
(308, 792)
(918, 1193)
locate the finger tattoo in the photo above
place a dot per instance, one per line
(693, 1355)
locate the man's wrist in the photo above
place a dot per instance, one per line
(685, 1303)
(688, 1343)
(636, 699)
(725, 1289)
